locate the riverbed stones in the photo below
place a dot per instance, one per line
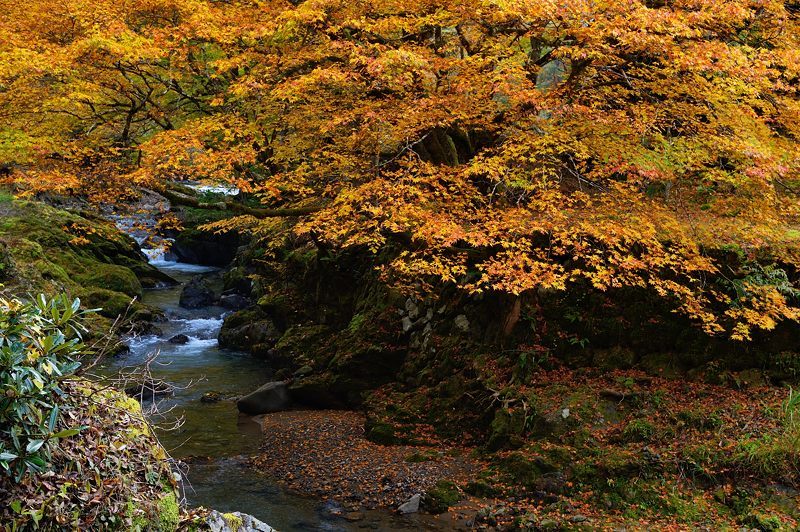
(196, 294)
(235, 522)
(272, 397)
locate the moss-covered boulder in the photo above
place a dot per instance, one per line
(48, 250)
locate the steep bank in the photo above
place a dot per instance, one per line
(113, 475)
(591, 409)
(48, 250)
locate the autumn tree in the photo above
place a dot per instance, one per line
(499, 145)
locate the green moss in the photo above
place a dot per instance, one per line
(168, 513)
(356, 323)
(639, 430)
(111, 277)
(111, 304)
(441, 497)
(765, 523)
(382, 433)
(233, 521)
(421, 456)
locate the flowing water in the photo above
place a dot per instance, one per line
(214, 438)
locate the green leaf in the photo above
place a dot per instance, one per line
(33, 446)
(51, 422)
(66, 433)
(16, 506)
(7, 457)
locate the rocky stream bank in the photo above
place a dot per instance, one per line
(562, 411)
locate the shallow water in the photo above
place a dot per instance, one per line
(214, 438)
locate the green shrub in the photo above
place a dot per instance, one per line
(38, 343)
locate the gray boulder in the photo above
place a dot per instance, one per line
(235, 522)
(272, 397)
(411, 506)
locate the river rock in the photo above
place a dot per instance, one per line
(411, 506)
(179, 339)
(235, 522)
(272, 397)
(211, 397)
(196, 294)
(234, 302)
(249, 330)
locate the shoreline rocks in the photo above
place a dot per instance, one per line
(271, 397)
(235, 522)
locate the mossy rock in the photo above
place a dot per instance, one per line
(6, 262)
(614, 358)
(507, 429)
(380, 432)
(111, 304)
(441, 497)
(481, 488)
(639, 430)
(524, 470)
(112, 277)
(168, 513)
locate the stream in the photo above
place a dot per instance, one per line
(214, 439)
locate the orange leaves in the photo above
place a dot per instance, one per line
(494, 144)
(517, 272)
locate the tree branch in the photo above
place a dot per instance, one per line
(180, 198)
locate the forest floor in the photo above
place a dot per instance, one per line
(325, 453)
(605, 450)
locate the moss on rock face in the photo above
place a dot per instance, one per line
(47, 250)
(168, 512)
(441, 497)
(111, 277)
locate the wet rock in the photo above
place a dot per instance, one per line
(211, 397)
(234, 302)
(411, 506)
(249, 330)
(272, 397)
(196, 294)
(179, 339)
(354, 516)
(412, 309)
(235, 522)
